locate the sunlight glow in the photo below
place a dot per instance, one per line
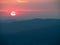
(22, 1)
(13, 13)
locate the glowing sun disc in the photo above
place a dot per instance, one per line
(13, 13)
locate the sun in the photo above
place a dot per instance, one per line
(13, 13)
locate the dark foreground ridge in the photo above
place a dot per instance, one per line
(31, 32)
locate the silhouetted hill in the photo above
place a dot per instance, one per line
(31, 32)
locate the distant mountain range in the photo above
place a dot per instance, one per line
(30, 24)
(15, 20)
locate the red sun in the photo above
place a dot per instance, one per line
(13, 13)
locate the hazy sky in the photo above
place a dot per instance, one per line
(32, 8)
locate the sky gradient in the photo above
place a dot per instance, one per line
(32, 8)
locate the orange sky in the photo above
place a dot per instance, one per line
(30, 4)
(45, 6)
(24, 1)
(12, 1)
